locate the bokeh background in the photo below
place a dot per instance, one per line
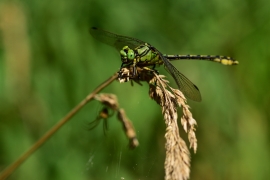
(49, 63)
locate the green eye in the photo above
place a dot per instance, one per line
(131, 54)
(125, 47)
(123, 53)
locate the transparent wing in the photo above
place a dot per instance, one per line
(115, 40)
(118, 41)
(184, 84)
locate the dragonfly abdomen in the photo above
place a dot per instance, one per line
(225, 60)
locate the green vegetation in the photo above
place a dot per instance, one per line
(49, 62)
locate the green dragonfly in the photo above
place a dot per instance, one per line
(139, 53)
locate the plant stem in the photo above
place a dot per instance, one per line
(6, 173)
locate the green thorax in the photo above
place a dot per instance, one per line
(141, 55)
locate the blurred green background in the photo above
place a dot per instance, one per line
(49, 63)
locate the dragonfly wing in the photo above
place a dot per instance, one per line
(115, 40)
(119, 41)
(184, 84)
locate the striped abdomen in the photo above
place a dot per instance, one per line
(225, 60)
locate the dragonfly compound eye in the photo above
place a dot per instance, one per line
(123, 54)
(131, 54)
(125, 48)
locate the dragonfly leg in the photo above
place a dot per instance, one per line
(121, 65)
(153, 68)
(134, 68)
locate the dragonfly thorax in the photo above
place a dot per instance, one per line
(142, 55)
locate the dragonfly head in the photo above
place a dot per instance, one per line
(127, 54)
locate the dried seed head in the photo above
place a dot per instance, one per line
(177, 163)
(109, 100)
(128, 128)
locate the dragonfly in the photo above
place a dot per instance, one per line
(136, 52)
